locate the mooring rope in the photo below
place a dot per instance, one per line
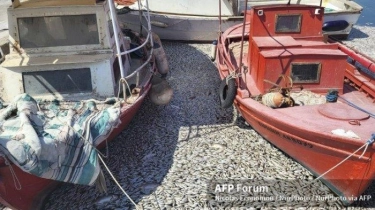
(99, 153)
(117, 183)
(17, 183)
(106, 167)
(357, 107)
(333, 95)
(123, 81)
(368, 142)
(232, 75)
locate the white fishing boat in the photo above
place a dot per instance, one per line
(71, 82)
(199, 20)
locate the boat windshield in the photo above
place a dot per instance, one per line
(54, 31)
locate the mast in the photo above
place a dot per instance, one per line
(242, 38)
(220, 16)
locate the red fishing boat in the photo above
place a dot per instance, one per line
(72, 81)
(311, 98)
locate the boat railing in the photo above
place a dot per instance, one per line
(117, 41)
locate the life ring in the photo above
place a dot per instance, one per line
(227, 92)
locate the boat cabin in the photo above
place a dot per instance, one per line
(62, 50)
(290, 42)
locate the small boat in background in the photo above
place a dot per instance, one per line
(311, 98)
(199, 20)
(72, 81)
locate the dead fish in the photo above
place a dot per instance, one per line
(148, 188)
(218, 146)
(105, 200)
(148, 156)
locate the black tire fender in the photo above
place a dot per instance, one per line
(227, 92)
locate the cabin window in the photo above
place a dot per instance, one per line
(58, 81)
(288, 23)
(56, 31)
(305, 72)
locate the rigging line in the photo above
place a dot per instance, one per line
(357, 107)
(368, 142)
(117, 183)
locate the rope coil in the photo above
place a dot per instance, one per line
(332, 96)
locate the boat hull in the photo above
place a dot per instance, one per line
(350, 17)
(198, 27)
(35, 189)
(306, 132)
(182, 27)
(317, 151)
(307, 148)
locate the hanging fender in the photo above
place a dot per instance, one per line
(161, 92)
(337, 25)
(160, 56)
(227, 92)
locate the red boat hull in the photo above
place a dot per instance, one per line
(35, 189)
(305, 132)
(349, 180)
(317, 151)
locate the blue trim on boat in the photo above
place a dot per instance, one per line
(337, 25)
(361, 67)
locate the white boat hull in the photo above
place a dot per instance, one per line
(183, 28)
(351, 18)
(175, 25)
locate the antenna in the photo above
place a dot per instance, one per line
(242, 38)
(220, 16)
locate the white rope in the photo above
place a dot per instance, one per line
(121, 81)
(370, 141)
(329, 170)
(102, 161)
(17, 183)
(364, 151)
(232, 75)
(117, 183)
(81, 136)
(19, 187)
